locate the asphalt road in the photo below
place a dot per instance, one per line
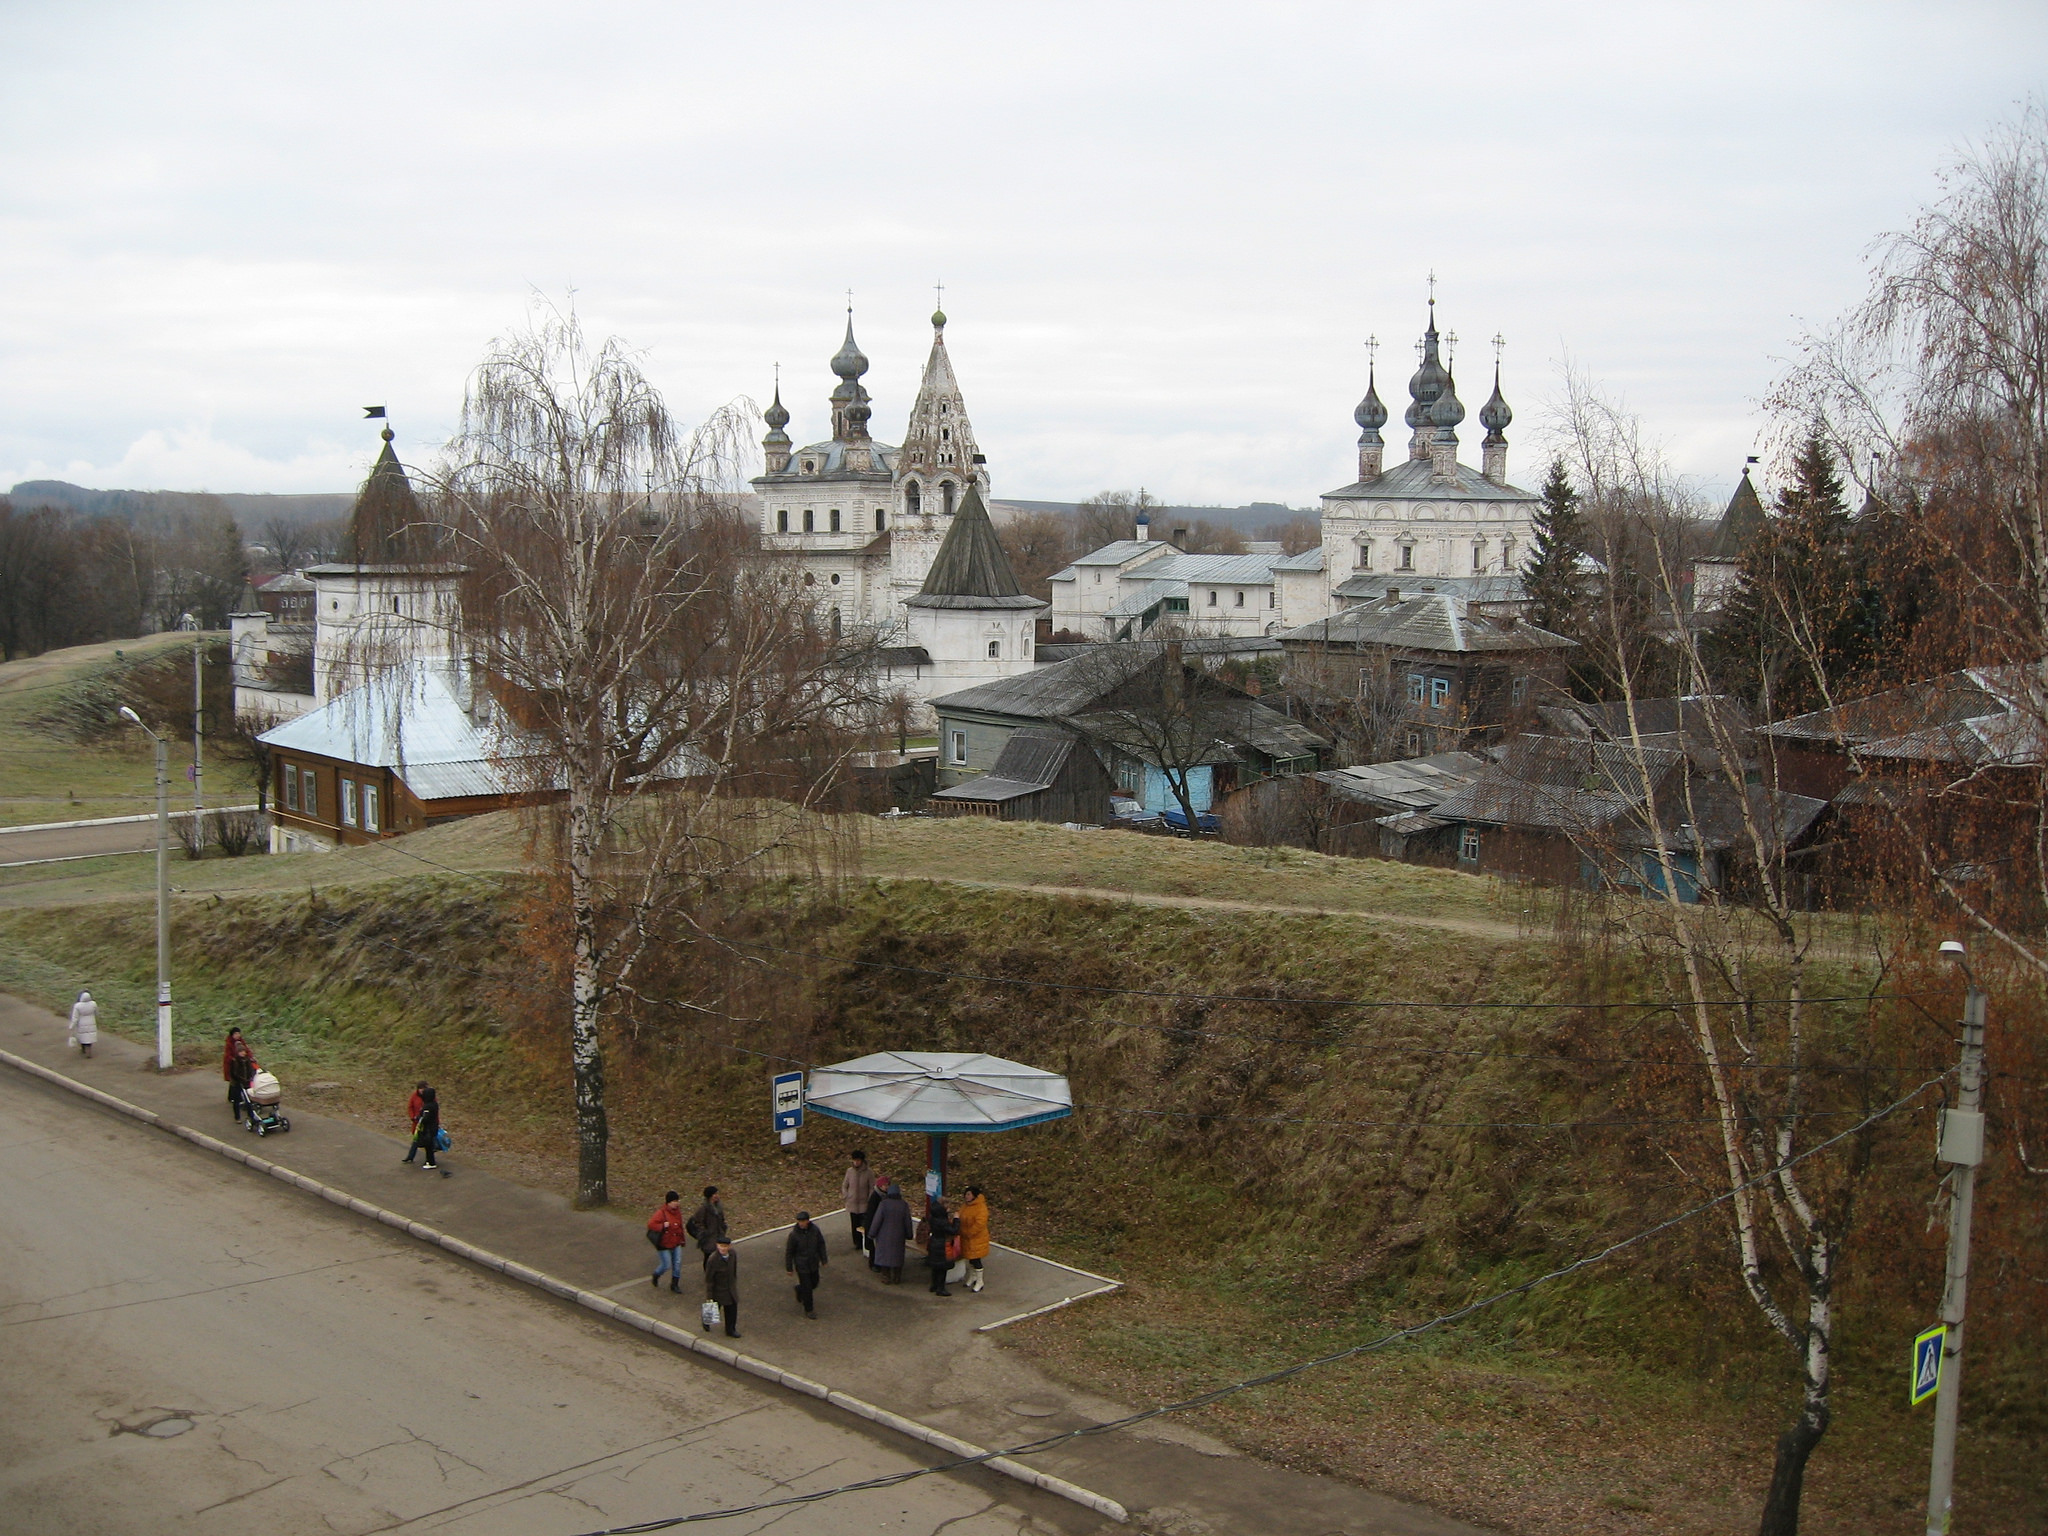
(83, 842)
(187, 1346)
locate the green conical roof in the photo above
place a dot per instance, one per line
(385, 525)
(971, 570)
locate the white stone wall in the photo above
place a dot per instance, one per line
(362, 620)
(1440, 536)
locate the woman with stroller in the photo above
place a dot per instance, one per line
(939, 1231)
(239, 1066)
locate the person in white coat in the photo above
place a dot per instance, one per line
(85, 1023)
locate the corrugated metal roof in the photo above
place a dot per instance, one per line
(1432, 621)
(1064, 688)
(407, 715)
(1307, 560)
(1125, 549)
(1415, 783)
(992, 787)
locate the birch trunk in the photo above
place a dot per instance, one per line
(586, 1047)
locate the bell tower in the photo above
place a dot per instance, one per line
(938, 464)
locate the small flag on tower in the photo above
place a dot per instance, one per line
(372, 412)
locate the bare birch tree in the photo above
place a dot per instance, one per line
(662, 679)
(1735, 949)
(1934, 390)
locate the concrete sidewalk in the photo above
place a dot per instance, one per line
(898, 1346)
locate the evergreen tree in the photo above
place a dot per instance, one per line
(1555, 577)
(1798, 616)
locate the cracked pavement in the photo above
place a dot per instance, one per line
(339, 1378)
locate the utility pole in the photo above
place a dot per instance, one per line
(1962, 1147)
(198, 735)
(163, 889)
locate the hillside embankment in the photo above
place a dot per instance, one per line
(1274, 1175)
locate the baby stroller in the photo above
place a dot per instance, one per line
(261, 1102)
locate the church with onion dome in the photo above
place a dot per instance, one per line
(1467, 531)
(897, 541)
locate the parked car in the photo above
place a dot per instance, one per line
(1204, 820)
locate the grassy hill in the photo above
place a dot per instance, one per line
(48, 773)
(1272, 1175)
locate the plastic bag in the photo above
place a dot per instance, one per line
(442, 1140)
(709, 1315)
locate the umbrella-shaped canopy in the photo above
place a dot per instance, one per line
(937, 1092)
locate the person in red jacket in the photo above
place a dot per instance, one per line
(665, 1231)
(415, 1104)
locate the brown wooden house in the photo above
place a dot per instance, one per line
(410, 750)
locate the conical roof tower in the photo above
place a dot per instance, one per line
(971, 570)
(386, 526)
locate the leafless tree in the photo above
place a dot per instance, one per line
(1039, 542)
(1108, 516)
(657, 675)
(1697, 859)
(1152, 707)
(287, 541)
(1934, 390)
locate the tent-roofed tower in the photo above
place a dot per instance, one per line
(970, 614)
(387, 525)
(938, 464)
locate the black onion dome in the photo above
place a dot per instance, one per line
(1495, 415)
(849, 362)
(1448, 411)
(1371, 415)
(1429, 380)
(776, 417)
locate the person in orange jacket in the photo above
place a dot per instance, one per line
(974, 1234)
(665, 1232)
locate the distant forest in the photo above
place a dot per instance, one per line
(79, 565)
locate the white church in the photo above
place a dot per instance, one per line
(1428, 524)
(898, 540)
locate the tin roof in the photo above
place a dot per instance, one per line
(1415, 480)
(1429, 621)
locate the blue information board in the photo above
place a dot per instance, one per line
(786, 1099)
(1927, 1363)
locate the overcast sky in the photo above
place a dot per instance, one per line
(1165, 230)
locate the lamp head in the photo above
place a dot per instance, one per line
(1951, 949)
(130, 715)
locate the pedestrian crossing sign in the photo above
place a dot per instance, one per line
(1927, 1363)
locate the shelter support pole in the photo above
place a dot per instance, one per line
(935, 1163)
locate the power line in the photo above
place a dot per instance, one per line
(1287, 1372)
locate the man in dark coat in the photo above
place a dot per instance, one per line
(722, 1284)
(707, 1222)
(803, 1256)
(889, 1231)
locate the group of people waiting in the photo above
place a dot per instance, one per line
(882, 1227)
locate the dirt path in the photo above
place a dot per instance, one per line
(1473, 926)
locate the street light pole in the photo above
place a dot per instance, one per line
(163, 889)
(1962, 1147)
(198, 736)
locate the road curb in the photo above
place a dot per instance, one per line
(925, 1434)
(112, 821)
